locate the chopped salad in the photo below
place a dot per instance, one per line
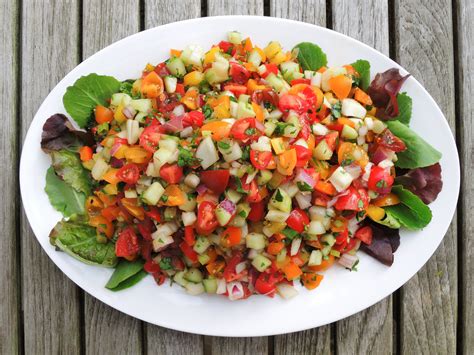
(238, 170)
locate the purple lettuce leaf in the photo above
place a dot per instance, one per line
(59, 133)
(385, 242)
(426, 182)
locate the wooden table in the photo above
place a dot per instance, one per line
(42, 312)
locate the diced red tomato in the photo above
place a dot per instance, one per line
(260, 160)
(129, 174)
(193, 118)
(364, 234)
(302, 154)
(270, 69)
(245, 129)
(226, 47)
(380, 180)
(154, 213)
(331, 139)
(388, 140)
(230, 273)
(236, 89)
(239, 74)
(300, 81)
(292, 102)
(180, 89)
(171, 173)
(127, 245)
(206, 218)
(257, 211)
(298, 220)
(146, 227)
(150, 137)
(188, 251)
(189, 236)
(162, 70)
(231, 236)
(151, 267)
(266, 283)
(254, 194)
(215, 180)
(354, 200)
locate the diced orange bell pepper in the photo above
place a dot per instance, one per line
(325, 187)
(175, 196)
(311, 280)
(258, 112)
(325, 264)
(219, 129)
(341, 86)
(291, 271)
(152, 85)
(85, 153)
(137, 155)
(362, 97)
(190, 99)
(286, 162)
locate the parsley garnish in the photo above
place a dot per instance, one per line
(280, 127)
(289, 233)
(381, 184)
(164, 198)
(165, 263)
(243, 214)
(304, 186)
(278, 196)
(207, 111)
(336, 109)
(233, 99)
(223, 145)
(186, 158)
(238, 183)
(347, 162)
(360, 204)
(246, 153)
(250, 131)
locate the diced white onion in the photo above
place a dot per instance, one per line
(161, 242)
(351, 108)
(262, 144)
(188, 218)
(304, 200)
(320, 129)
(369, 122)
(165, 229)
(286, 291)
(353, 170)
(240, 267)
(221, 286)
(295, 246)
(192, 180)
(133, 131)
(348, 260)
(235, 290)
(207, 153)
(316, 228)
(276, 216)
(99, 169)
(340, 179)
(387, 163)
(367, 170)
(178, 110)
(186, 132)
(317, 212)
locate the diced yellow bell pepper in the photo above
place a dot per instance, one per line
(193, 78)
(278, 145)
(211, 55)
(111, 189)
(375, 213)
(118, 115)
(278, 58)
(272, 49)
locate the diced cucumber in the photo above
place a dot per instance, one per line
(269, 128)
(293, 76)
(194, 288)
(326, 250)
(276, 215)
(193, 54)
(341, 179)
(315, 258)
(179, 278)
(153, 193)
(170, 213)
(210, 285)
(189, 205)
(335, 253)
(201, 245)
(141, 105)
(244, 98)
(141, 117)
(278, 84)
(328, 239)
(233, 195)
(255, 241)
(292, 128)
(203, 259)
(120, 98)
(213, 78)
(289, 67)
(261, 263)
(170, 84)
(176, 67)
(348, 132)
(223, 216)
(234, 37)
(193, 275)
(168, 142)
(243, 209)
(264, 177)
(316, 228)
(322, 151)
(245, 110)
(281, 200)
(254, 58)
(237, 221)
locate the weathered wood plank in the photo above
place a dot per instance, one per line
(424, 37)
(234, 7)
(161, 340)
(465, 78)
(318, 340)
(107, 330)
(237, 345)
(9, 252)
(369, 331)
(50, 37)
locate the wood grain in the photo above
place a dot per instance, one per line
(51, 307)
(369, 331)
(424, 37)
(318, 340)
(9, 251)
(161, 340)
(106, 329)
(234, 7)
(465, 78)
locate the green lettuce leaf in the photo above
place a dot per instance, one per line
(131, 281)
(80, 241)
(411, 212)
(62, 196)
(404, 108)
(68, 166)
(86, 93)
(362, 66)
(123, 272)
(418, 154)
(311, 56)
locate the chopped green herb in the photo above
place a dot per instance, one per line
(336, 109)
(223, 145)
(360, 204)
(278, 196)
(289, 233)
(186, 158)
(233, 99)
(207, 111)
(246, 152)
(347, 162)
(165, 263)
(164, 198)
(304, 186)
(250, 131)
